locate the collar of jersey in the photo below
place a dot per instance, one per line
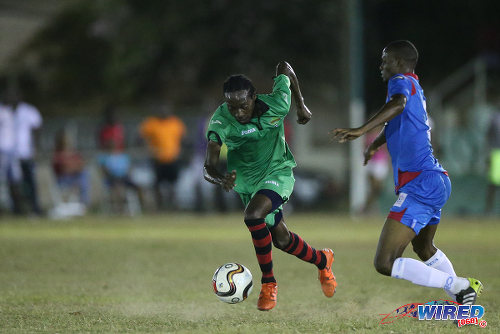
(413, 75)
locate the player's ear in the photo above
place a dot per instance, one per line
(400, 62)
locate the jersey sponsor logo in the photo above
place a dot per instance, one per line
(246, 132)
(401, 199)
(272, 182)
(216, 121)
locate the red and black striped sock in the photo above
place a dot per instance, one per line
(262, 242)
(303, 251)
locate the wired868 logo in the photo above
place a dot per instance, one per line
(439, 310)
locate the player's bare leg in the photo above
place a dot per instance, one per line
(255, 213)
(393, 240)
(423, 246)
(293, 244)
(388, 261)
(423, 243)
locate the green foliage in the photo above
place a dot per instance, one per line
(127, 50)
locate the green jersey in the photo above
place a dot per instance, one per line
(256, 149)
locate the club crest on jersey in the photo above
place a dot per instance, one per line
(275, 121)
(246, 132)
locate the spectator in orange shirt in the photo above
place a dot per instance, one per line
(164, 134)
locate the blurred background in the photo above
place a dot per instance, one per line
(92, 83)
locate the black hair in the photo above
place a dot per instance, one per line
(404, 50)
(238, 82)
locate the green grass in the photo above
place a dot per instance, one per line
(153, 274)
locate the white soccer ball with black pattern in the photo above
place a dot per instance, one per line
(232, 283)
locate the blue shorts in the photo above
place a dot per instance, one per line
(420, 200)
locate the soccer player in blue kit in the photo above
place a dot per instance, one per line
(421, 182)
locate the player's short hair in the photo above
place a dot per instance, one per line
(404, 50)
(238, 82)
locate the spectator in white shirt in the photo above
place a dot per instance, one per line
(27, 121)
(10, 171)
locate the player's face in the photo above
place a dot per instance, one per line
(240, 104)
(389, 65)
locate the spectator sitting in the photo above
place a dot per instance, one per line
(111, 129)
(69, 168)
(115, 166)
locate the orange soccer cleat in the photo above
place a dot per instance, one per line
(325, 276)
(267, 297)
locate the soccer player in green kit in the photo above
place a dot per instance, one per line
(251, 125)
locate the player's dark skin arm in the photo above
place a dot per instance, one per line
(210, 171)
(391, 109)
(374, 146)
(303, 113)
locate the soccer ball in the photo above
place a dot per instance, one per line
(232, 283)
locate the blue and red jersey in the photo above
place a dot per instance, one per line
(408, 134)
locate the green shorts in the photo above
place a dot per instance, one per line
(280, 182)
(494, 175)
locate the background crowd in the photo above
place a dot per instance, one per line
(104, 104)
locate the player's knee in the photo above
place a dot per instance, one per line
(424, 252)
(251, 214)
(383, 265)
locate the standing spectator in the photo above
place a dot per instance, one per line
(10, 171)
(69, 168)
(164, 134)
(112, 129)
(27, 124)
(493, 141)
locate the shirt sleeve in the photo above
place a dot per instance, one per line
(399, 85)
(281, 95)
(216, 129)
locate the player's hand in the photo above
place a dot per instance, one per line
(369, 152)
(228, 181)
(303, 114)
(344, 134)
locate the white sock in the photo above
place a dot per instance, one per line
(441, 262)
(419, 273)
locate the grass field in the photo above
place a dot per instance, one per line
(153, 274)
